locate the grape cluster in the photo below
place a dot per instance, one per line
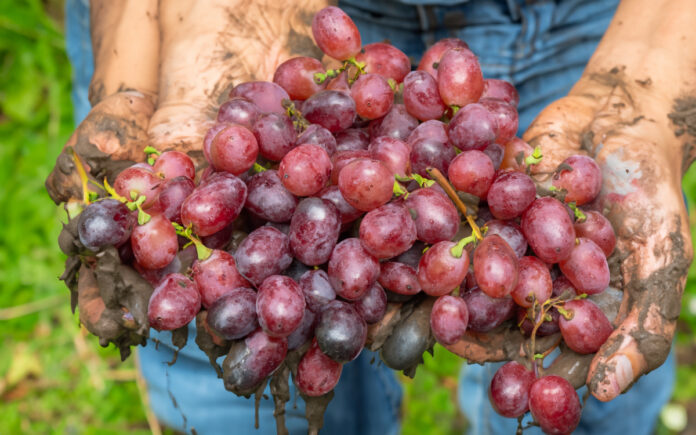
(331, 192)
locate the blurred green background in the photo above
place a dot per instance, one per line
(54, 377)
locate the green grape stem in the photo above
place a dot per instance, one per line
(202, 251)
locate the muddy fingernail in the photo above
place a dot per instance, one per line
(622, 375)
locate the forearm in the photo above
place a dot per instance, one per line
(126, 44)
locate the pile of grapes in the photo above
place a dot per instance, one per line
(366, 205)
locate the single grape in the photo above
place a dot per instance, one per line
(373, 305)
(317, 374)
(421, 96)
(233, 315)
(264, 252)
(317, 290)
(394, 153)
(533, 282)
(341, 332)
(435, 216)
(305, 170)
(399, 278)
(449, 319)
(439, 271)
(495, 266)
(208, 140)
(398, 123)
(268, 199)
(238, 111)
(554, 405)
(136, 181)
(342, 158)
(280, 305)
(387, 231)
(352, 139)
(318, 135)
(373, 96)
(511, 233)
(339, 83)
(275, 135)
(507, 117)
(431, 58)
(586, 328)
(172, 164)
(426, 153)
(474, 127)
(314, 230)
(234, 150)
(174, 303)
(215, 204)
(104, 223)
(384, 59)
(487, 313)
(509, 389)
(216, 275)
(366, 184)
(597, 228)
(155, 243)
(221, 239)
(433, 129)
(459, 77)
(563, 285)
(500, 90)
(548, 230)
(472, 172)
(172, 195)
(305, 331)
(296, 76)
(510, 194)
(347, 212)
(582, 181)
(267, 96)
(333, 110)
(252, 360)
(352, 270)
(335, 33)
(586, 267)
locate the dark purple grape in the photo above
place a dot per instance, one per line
(427, 153)
(233, 315)
(268, 199)
(174, 303)
(305, 331)
(318, 135)
(275, 135)
(547, 327)
(449, 319)
(238, 111)
(341, 332)
(314, 230)
(104, 223)
(373, 305)
(510, 194)
(252, 360)
(264, 252)
(487, 313)
(352, 269)
(333, 110)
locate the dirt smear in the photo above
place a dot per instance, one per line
(683, 116)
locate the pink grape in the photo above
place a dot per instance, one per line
(372, 305)
(474, 127)
(267, 96)
(510, 194)
(548, 229)
(509, 389)
(459, 77)
(597, 228)
(366, 184)
(234, 150)
(352, 139)
(586, 267)
(335, 33)
(431, 58)
(495, 266)
(554, 405)
(318, 135)
(507, 118)
(268, 198)
(317, 374)
(296, 76)
(264, 252)
(154, 244)
(421, 96)
(500, 90)
(471, 172)
(587, 328)
(238, 111)
(275, 135)
(305, 170)
(394, 153)
(398, 123)
(433, 129)
(583, 182)
(372, 95)
(533, 282)
(216, 275)
(333, 110)
(172, 164)
(348, 212)
(280, 305)
(352, 270)
(141, 181)
(214, 205)
(341, 158)
(174, 303)
(387, 231)
(449, 319)
(427, 153)
(439, 271)
(511, 233)
(386, 60)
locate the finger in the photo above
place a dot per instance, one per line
(92, 307)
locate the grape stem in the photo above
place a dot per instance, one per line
(86, 198)
(202, 251)
(458, 250)
(151, 152)
(320, 78)
(449, 190)
(298, 121)
(399, 190)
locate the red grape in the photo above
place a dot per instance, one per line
(172, 164)
(398, 123)
(317, 374)
(516, 150)
(495, 266)
(238, 111)
(431, 58)
(500, 90)
(487, 313)
(548, 230)
(554, 405)
(234, 150)
(586, 267)
(373, 304)
(474, 127)
(318, 135)
(399, 278)
(103, 223)
(139, 181)
(275, 135)
(547, 327)
(386, 60)
(426, 153)
(533, 282)
(233, 315)
(352, 139)
(264, 252)
(216, 275)
(583, 182)
(394, 153)
(433, 129)
(495, 152)
(296, 76)
(314, 230)
(155, 243)
(174, 303)
(317, 289)
(387, 231)
(208, 140)
(172, 195)
(510, 194)
(352, 269)
(439, 271)
(335, 33)
(214, 204)
(366, 184)
(373, 96)
(597, 228)
(436, 217)
(268, 199)
(587, 329)
(511, 233)
(267, 96)
(342, 158)
(348, 212)
(280, 305)
(305, 331)
(449, 319)
(507, 118)
(421, 96)
(341, 332)
(305, 170)
(471, 172)
(509, 390)
(459, 77)
(333, 110)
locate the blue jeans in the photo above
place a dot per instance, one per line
(542, 47)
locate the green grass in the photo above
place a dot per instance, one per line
(54, 378)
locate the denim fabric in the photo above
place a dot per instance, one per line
(542, 47)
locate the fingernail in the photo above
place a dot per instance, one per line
(622, 375)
